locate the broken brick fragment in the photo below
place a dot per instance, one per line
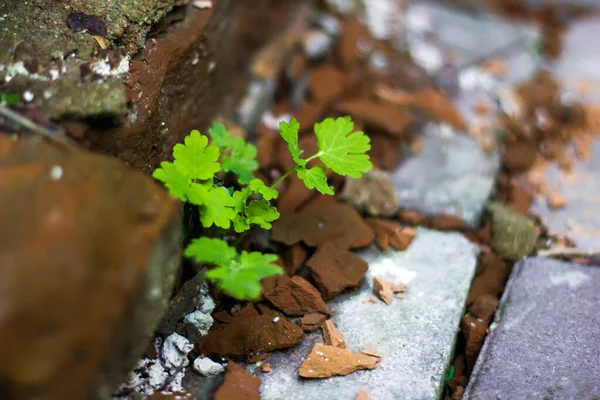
(326, 361)
(391, 233)
(339, 223)
(293, 257)
(383, 289)
(334, 269)
(296, 297)
(362, 395)
(246, 335)
(331, 335)
(312, 322)
(238, 384)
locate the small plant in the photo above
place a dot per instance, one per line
(196, 176)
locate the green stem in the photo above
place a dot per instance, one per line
(240, 239)
(278, 181)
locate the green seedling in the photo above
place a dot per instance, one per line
(195, 177)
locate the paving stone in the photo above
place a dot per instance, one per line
(470, 37)
(580, 58)
(415, 336)
(544, 341)
(456, 176)
(579, 220)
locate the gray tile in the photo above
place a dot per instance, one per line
(451, 175)
(415, 336)
(580, 219)
(544, 342)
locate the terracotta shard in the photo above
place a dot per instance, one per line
(383, 289)
(313, 321)
(411, 217)
(389, 119)
(362, 395)
(245, 336)
(474, 331)
(171, 396)
(338, 223)
(347, 46)
(556, 201)
(238, 384)
(331, 335)
(266, 367)
(484, 308)
(326, 83)
(293, 257)
(391, 233)
(435, 105)
(258, 357)
(297, 297)
(446, 222)
(326, 361)
(335, 270)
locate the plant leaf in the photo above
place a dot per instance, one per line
(289, 133)
(174, 179)
(267, 192)
(207, 250)
(242, 160)
(261, 213)
(217, 208)
(315, 178)
(241, 279)
(196, 159)
(220, 135)
(341, 150)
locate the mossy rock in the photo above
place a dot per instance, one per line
(514, 236)
(45, 58)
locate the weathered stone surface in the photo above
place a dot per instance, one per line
(88, 250)
(470, 37)
(415, 336)
(456, 176)
(513, 235)
(578, 219)
(183, 303)
(544, 341)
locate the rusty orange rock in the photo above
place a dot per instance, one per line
(331, 335)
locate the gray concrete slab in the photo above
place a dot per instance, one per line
(415, 336)
(545, 340)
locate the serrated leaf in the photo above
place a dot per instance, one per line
(207, 250)
(175, 180)
(289, 133)
(241, 279)
(267, 192)
(217, 208)
(196, 158)
(341, 150)
(261, 213)
(220, 135)
(315, 178)
(241, 160)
